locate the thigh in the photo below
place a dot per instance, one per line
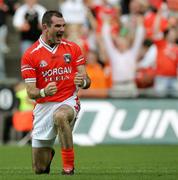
(68, 109)
(64, 112)
(43, 125)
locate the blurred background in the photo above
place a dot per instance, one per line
(131, 47)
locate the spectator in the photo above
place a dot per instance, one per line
(147, 54)
(166, 65)
(167, 58)
(125, 6)
(129, 21)
(23, 103)
(3, 35)
(6, 8)
(151, 15)
(79, 34)
(105, 8)
(27, 20)
(146, 67)
(123, 60)
(73, 11)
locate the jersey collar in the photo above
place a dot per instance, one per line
(47, 46)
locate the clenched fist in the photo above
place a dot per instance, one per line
(79, 79)
(50, 89)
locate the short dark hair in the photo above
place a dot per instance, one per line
(48, 14)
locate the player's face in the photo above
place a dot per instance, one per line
(56, 30)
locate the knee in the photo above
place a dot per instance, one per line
(60, 118)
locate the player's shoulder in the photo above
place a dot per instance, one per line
(32, 49)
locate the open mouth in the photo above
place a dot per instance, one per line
(59, 35)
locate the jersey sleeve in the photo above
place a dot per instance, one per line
(28, 70)
(78, 56)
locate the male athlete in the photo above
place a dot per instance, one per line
(53, 70)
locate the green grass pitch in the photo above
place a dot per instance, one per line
(105, 162)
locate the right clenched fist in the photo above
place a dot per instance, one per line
(50, 89)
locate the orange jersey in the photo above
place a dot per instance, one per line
(167, 59)
(42, 64)
(97, 76)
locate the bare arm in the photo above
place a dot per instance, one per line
(81, 78)
(35, 93)
(91, 19)
(157, 32)
(139, 36)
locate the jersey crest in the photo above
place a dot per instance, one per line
(67, 58)
(43, 63)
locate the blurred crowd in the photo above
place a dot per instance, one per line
(131, 46)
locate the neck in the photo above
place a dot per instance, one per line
(48, 41)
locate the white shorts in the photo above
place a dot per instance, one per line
(43, 143)
(43, 123)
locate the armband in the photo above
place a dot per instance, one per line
(84, 84)
(42, 93)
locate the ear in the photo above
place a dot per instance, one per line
(44, 27)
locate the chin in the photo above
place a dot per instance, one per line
(58, 41)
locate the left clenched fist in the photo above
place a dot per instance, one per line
(79, 79)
